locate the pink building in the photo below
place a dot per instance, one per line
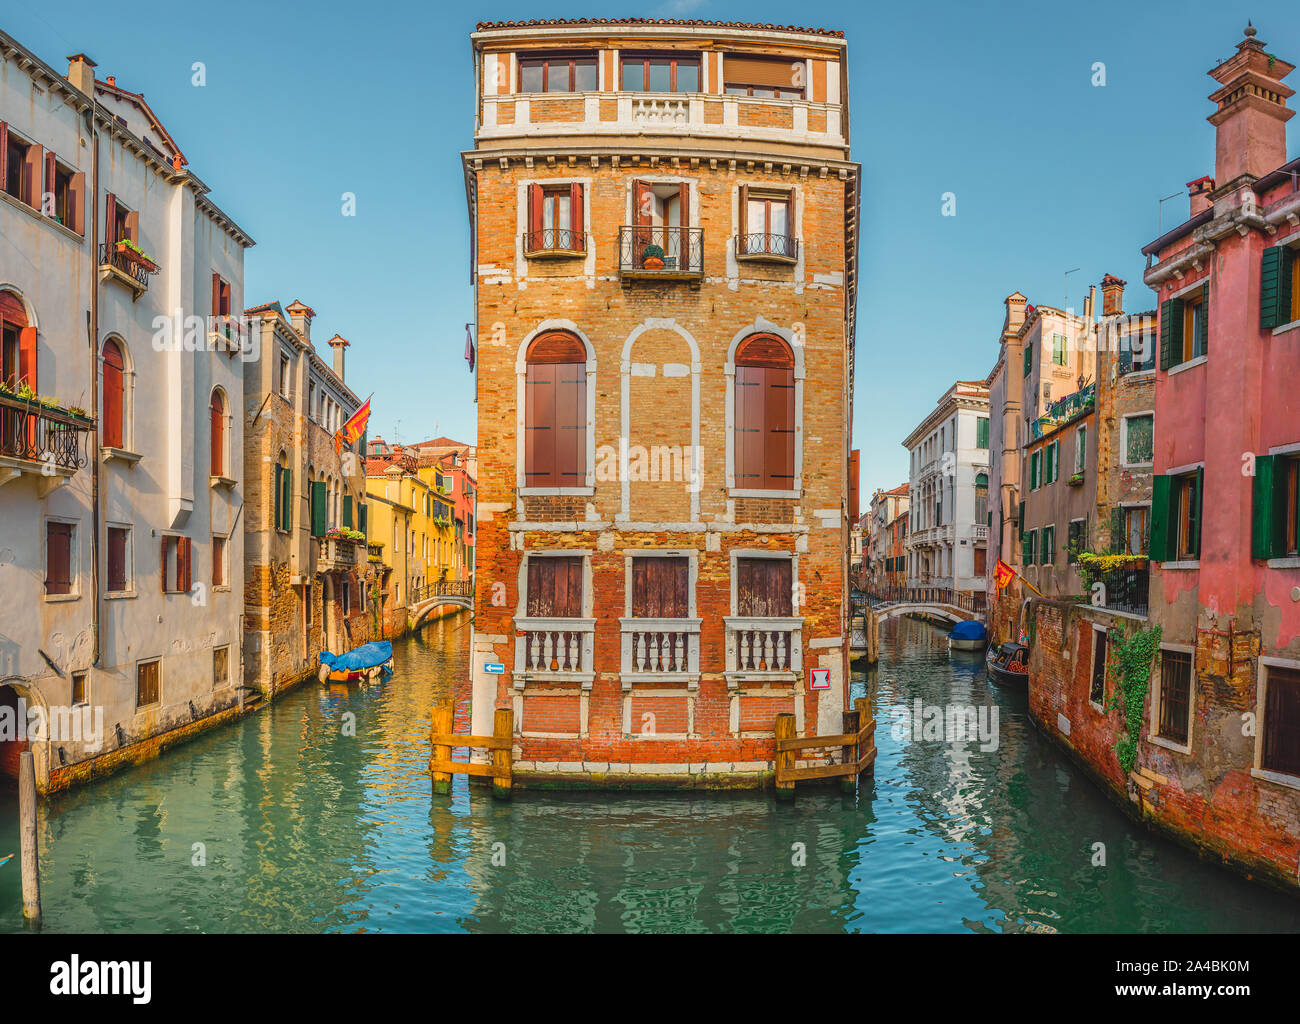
(1218, 762)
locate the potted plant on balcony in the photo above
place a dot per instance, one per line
(652, 257)
(134, 254)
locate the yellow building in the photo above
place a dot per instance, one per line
(409, 526)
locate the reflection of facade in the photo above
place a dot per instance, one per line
(674, 557)
(120, 471)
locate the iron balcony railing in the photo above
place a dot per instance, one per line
(29, 430)
(662, 251)
(110, 257)
(967, 600)
(761, 244)
(556, 240)
(1127, 590)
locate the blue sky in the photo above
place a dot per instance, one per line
(993, 102)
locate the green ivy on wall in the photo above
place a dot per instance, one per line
(1133, 658)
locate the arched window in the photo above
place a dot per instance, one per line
(764, 414)
(981, 499)
(113, 404)
(217, 428)
(555, 418)
(17, 343)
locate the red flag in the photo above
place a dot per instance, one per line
(352, 430)
(1003, 574)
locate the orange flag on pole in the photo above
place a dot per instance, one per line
(1003, 574)
(352, 430)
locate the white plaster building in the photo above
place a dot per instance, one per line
(120, 557)
(948, 489)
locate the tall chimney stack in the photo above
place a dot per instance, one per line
(1112, 295)
(1015, 303)
(339, 344)
(1252, 113)
(301, 316)
(81, 73)
(1199, 194)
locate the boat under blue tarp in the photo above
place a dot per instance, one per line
(359, 661)
(968, 636)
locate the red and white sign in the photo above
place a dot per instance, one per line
(819, 679)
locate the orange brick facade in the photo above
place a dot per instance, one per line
(659, 367)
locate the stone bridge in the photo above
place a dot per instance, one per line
(444, 592)
(942, 603)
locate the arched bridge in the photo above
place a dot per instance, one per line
(941, 602)
(424, 600)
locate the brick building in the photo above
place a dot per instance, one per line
(1217, 756)
(663, 219)
(306, 574)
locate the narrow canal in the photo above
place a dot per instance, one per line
(306, 827)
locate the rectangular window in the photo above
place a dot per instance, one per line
(768, 77)
(660, 73)
(22, 168)
(766, 223)
(764, 428)
(1049, 546)
(1081, 448)
(1052, 462)
(1175, 695)
(1139, 440)
(660, 588)
(555, 587)
(558, 72)
(763, 587)
(218, 561)
(79, 689)
(148, 683)
(1275, 524)
(982, 432)
(1097, 688)
(60, 551)
(119, 559)
(282, 385)
(1135, 530)
(1281, 743)
(1035, 464)
(1194, 328)
(176, 563)
(1058, 349)
(220, 667)
(1076, 540)
(555, 219)
(1029, 547)
(1029, 360)
(1187, 491)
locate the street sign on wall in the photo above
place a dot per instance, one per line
(819, 679)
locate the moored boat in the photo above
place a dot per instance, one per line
(365, 662)
(968, 636)
(1008, 664)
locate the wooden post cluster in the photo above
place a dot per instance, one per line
(857, 746)
(501, 743)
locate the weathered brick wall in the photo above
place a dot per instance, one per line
(607, 310)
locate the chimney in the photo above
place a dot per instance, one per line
(1112, 295)
(81, 73)
(301, 316)
(1015, 303)
(1252, 113)
(1198, 192)
(339, 344)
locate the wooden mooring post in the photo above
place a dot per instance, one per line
(857, 744)
(501, 743)
(31, 867)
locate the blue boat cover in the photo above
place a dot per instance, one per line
(969, 630)
(365, 656)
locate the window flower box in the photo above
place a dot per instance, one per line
(131, 252)
(1075, 480)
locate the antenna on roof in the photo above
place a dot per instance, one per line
(1160, 216)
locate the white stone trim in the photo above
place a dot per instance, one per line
(1123, 438)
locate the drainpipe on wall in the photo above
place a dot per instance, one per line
(92, 329)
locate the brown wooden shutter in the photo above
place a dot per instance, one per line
(763, 587)
(77, 203)
(116, 559)
(555, 587)
(640, 203)
(217, 429)
(216, 294)
(110, 219)
(659, 588)
(684, 201)
(575, 218)
(58, 558)
(113, 390)
(570, 424)
(184, 564)
(775, 72)
(33, 175)
(778, 432)
(743, 247)
(49, 180)
(133, 226)
(747, 444)
(27, 356)
(534, 217)
(4, 155)
(163, 573)
(539, 425)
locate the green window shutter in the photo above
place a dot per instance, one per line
(1194, 515)
(1271, 274)
(347, 511)
(1263, 530)
(361, 516)
(318, 508)
(1126, 354)
(1203, 334)
(1050, 473)
(1162, 526)
(1029, 360)
(981, 433)
(1020, 519)
(286, 504)
(1117, 538)
(279, 494)
(1171, 333)
(1033, 470)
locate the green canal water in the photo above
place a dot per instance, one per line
(305, 828)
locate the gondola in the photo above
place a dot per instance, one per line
(369, 661)
(1008, 664)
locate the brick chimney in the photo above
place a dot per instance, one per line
(1015, 303)
(81, 73)
(1252, 113)
(339, 344)
(1112, 295)
(301, 316)
(1198, 193)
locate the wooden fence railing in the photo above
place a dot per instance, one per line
(501, 743)
(857, 745)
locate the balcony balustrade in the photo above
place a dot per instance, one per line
(41, 441)
(763, 648)
(554, 650)
(132, 270)
(337, 554)
(660, 650)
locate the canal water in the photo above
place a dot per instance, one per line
(317, 815)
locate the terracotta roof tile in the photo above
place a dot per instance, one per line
(487, 26)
